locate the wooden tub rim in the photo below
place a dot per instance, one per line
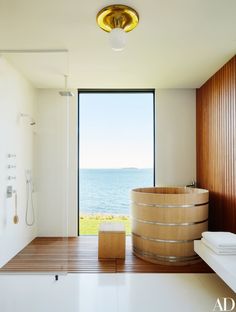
(169, 197)
(188, 190)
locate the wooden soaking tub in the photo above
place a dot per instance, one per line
(166, 221)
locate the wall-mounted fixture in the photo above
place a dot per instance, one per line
(117, 20)
(192, 184)
(66, 92)
(31, 119)
(15, 217)
(10, 193)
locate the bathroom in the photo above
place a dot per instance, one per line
(195, 141)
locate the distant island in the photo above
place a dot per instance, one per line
(133, 168)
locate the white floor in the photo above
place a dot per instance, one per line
(112, 293)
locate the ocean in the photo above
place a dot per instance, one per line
(108, 190)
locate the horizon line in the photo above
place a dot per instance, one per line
(119, 168)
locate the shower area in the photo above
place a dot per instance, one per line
(36, 183)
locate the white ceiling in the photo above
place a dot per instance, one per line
(177, 44)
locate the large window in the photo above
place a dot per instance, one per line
(116, 154)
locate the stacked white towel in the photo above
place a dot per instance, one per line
(222, 243)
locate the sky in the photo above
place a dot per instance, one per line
(116, 130)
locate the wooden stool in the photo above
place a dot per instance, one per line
(111, 240)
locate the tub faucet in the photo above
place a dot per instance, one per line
(193, 184)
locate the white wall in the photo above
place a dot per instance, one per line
(52, 164)
(175, 136)
(17, 137)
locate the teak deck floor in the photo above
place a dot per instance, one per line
(79, 255)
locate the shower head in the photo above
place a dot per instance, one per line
(66, 93)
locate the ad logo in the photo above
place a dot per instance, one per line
(224, 304)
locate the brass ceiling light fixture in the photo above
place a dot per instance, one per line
(117, 19)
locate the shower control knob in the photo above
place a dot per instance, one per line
(9, 191)
(11, 155)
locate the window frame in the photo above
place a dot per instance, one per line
(82, 91)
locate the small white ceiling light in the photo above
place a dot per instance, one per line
(118, 39)
(117, 20)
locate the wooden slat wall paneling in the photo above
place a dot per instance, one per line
(216, 145)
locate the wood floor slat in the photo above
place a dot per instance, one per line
(79, 255)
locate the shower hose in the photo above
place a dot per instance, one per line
(29, 200)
